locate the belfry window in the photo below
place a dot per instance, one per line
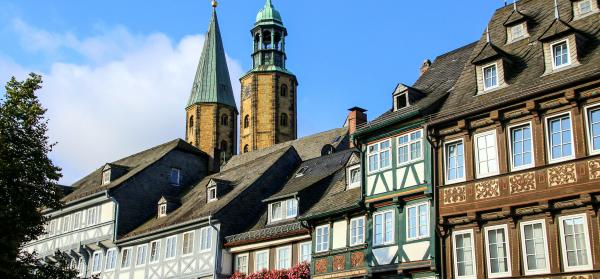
(284, 90)
(191, 121)
(246, 121)
(225, 120)
(284, 120)
(224, 146)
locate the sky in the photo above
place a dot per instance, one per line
(117, 74)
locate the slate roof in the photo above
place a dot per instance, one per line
(435, 84)
(307, 147)
(323, 171)
(525, 77)
(135, 163)
(194, 205)
(212, 83)
(336, 200)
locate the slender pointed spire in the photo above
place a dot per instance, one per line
(212, 83)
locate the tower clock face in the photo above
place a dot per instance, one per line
(246, 91)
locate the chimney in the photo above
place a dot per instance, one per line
(356, 117)
(425, 66)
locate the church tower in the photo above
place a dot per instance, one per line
(268, 97)
(211, 112)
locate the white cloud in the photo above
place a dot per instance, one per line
(129, 95)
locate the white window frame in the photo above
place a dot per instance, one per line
(548, 138)
(524, 250)
(510, 146)
(236, 266)
(278, 264)
(100, 262)
(66, 224)
(507, 251)
(473, 254)
(324, 245)
(144, 248)
(172, 248)
(418, 223)
(156, 259)
(512, 33)
(350, 184)
(405, 94)
(483, 68)
(206, 239)
(300, 256)
(81, 266)
(283, 205)
(106, 177)
(162, 210)
(190, 248)
(129, 253)
(476, 151)
(76, 220)
(588, 126)
(408, 145)
(178, 171)
(552, 54)
(265, 252)
(464, 172)
(95, 214)
(580, 14)
(588, 247)
(378, 156)
(211, 194)
(110, 266)
(355, 239)
(383, 228)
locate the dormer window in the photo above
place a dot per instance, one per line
(162, 210)
(516, 32)
(301, 171)
(283, 210)
(211, 193)
(175, 177)
(583, 8)
(401, 101)
(560, 54)
(106, 177)
(490, 77)
(353, 174)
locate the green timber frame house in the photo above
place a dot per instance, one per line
(397, 178)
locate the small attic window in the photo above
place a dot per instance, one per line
(583, 8)
(175, 177)
(516, 32)
(490, 77)
(105, 177)
(301, 171)
(560, 54)
(353, 174)
(211, 193)
(162, 210)
(401, 101)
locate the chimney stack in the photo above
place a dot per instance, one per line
(425, 66)
(356, 117)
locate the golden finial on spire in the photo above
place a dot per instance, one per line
(214, 3)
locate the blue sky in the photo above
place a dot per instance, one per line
(117, 73)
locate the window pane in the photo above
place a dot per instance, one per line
(560, 137)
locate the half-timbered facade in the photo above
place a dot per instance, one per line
(516, 147)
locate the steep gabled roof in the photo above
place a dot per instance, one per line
(134, 164)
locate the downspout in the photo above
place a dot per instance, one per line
(116, 217)
(434, 182)
(217, 268)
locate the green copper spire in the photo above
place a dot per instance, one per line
(212, 83)
(268, 15)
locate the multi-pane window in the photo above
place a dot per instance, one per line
(383, 228)
(486, 155)
(205, 238)
(357, 231)
(490, 77)
(92, 216)
(560, 137)
(283, 210)
(593, 119)
(322, 238)
(584, 7)
(126, 258)
(305, 251)
(417, 221)
(464, 256)
(187, 243)
(354, 177)
(97, 262)
(154, 251)
(76, 220)
(497, 251)
(521, 147)
(410, 147)
(575, 243)
(560, 54)
(162, 210)
(517, 31)
(284, 257)
(105, 177)
(534, 247)
(175, 178)
(171, 247)
(261, 260)
(111, 259)
(141, 254)
(66, 224)
(241, 263)
(455, 161)
(379, 156)
(211, 193)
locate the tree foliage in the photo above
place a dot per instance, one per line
(27, 181)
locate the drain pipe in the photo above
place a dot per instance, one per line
(434, 182)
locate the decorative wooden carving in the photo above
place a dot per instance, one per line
(321, 266)
(455, 194)
(594, 169)
(357, 259)
(487, 189)
(339, 262)
(561, 175)
(515, 114)
(481, 123)
(521, 183)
